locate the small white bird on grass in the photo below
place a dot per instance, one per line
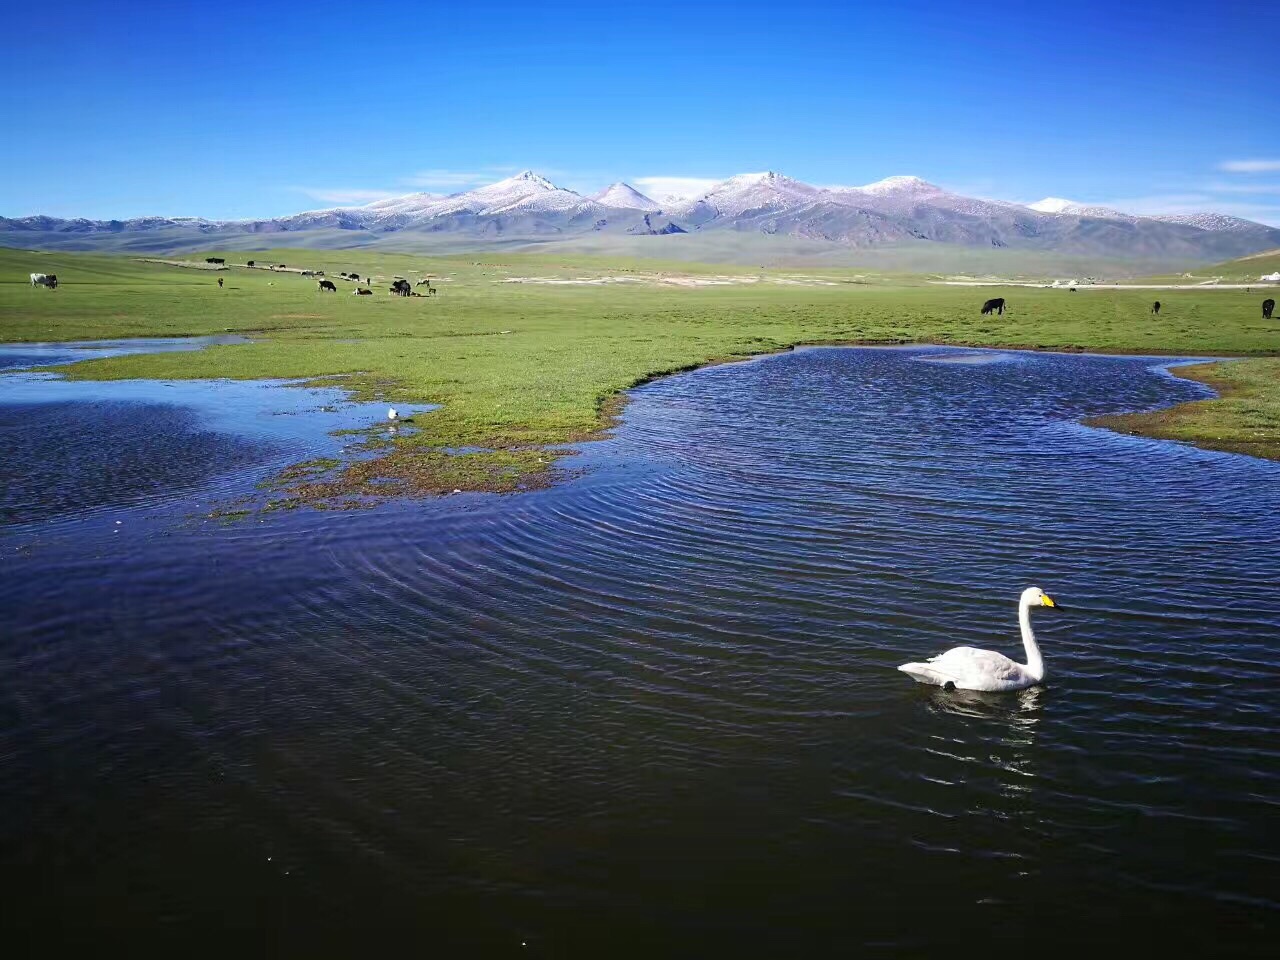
(967, 668)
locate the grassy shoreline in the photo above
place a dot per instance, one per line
(1243, 418)
(527, 355)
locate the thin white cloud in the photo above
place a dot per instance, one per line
(345, 196)
(1155, 204)
(1171, 204)
(1255, 188)
(673, 188)
(1250, 166)
(459, 179)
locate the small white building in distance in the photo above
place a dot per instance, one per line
(1271, 277)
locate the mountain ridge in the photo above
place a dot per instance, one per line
(896, 210)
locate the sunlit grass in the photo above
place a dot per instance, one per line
(515, 365)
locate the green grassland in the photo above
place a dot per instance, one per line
(519, 366)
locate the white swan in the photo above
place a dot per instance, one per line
(967, 668)
(392, 414)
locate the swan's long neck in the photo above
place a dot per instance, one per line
(1035, 662)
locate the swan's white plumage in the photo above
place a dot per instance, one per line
(972, 669)
(392, 414)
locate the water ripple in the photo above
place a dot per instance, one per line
(658, 701)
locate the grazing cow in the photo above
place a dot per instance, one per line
(219, 283)
(401, 288)
(327, 285)
(1268, 306)
(997, 305)
(49, 280)
(215, 260)
(361, 292)
(249, 264)
(1155, 308)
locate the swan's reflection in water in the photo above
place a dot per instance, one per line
(1020, 710)
(1004, 742)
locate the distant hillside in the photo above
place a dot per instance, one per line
(1249, 268)
(915, 220)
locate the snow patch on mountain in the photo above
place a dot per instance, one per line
(750, 193)
(1071, 208)
(625, 197)
(1215, 222)
(1052, 205)
(901, 185)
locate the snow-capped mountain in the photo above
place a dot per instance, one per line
(747, 193)
(903, 210)
(623, 196)
(1071, 208)
(912, 187)
(525, 192)
(1216, 222)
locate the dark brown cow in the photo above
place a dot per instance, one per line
(997, 305)
(1155, 308)
(401, 288)
(362, 292)
(327, 285)
(1268, 306)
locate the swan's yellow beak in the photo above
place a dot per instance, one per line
(1047, 601)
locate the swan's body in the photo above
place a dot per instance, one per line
(392, 414)
(968, 668)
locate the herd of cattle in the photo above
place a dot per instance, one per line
(997, 306)
(400, 287)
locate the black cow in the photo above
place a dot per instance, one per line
(362, 292)
(1268, 305)
(997, 305)
(1155, 308)
(214, 260)
(328, 285)
(249, 264)
(401, 288)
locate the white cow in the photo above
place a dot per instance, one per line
(49, 280)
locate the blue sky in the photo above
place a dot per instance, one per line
(231, 109)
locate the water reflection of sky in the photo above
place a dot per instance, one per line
(15, 356)
(660, 698)
(80, 445)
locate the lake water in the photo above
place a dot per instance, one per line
(654, 708)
